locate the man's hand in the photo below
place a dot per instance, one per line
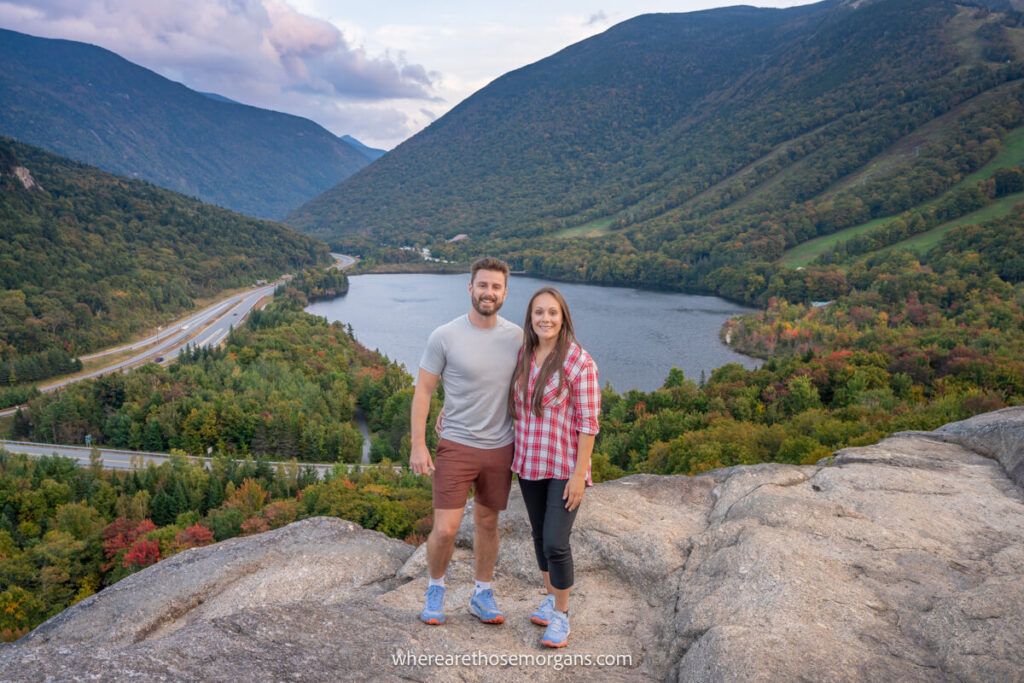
(420, 462)
(419, 456)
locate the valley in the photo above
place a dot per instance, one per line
(787, 232)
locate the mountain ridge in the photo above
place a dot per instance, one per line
(704, 144)
(371, 153)
(90, 104)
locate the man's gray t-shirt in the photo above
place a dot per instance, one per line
(476, 367)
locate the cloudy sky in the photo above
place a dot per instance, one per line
(380, 71)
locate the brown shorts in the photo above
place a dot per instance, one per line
(456, 467)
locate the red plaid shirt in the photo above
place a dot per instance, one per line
(546, 446)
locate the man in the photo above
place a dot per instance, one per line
(474, 355)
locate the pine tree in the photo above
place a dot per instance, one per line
(163, 509)
(22, 428)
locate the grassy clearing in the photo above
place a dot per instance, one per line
(594, 228)
(926, 240)
(905, 150)
(805, 252)
(1012, 154)
(110, 359)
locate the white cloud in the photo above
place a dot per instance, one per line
(260, 52)
(496, 47)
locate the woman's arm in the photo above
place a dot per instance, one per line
(573, 493)
(586, 396)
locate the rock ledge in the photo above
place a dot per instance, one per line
(898, 561)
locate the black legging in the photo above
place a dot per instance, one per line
(551, 524)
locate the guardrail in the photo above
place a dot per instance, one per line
(323, 467)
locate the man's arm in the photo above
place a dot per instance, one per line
(419, 457)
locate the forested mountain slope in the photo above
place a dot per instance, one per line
(87, 258)
(89, 104)
(687, 147)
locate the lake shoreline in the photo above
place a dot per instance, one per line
(636, 335)
(423, 268)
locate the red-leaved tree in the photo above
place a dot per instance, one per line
(143, 553)
(120, 535)
(195, 536)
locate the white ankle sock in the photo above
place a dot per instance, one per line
(481, 586)
(435, 582)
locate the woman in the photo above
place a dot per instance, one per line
(555, 401)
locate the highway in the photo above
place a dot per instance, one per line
(209, 327)
(114, 459)
(343, 262)
(193, 319)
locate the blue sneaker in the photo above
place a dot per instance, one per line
(542, 615)
(433, 611)
(557, 632)
(484, 608)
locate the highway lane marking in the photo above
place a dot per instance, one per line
(176, 331)
(153, 339)
(214, 338)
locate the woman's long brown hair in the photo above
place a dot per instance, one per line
(555, 362)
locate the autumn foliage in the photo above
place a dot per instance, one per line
(121, 537)
(194, 536)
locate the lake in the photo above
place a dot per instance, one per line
(634, 336)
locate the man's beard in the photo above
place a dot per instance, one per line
(497, 302)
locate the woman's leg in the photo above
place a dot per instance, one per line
(556, 530)
(535, 495)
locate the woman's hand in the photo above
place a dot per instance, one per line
(573, 492)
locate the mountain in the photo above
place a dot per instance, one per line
(896, 561)
(87, 258)
(692, 150)
(370, 153)
(218, 98)
(89, 104)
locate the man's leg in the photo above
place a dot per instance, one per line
(452, 478)
(492, 486)
(485, 556)
(440, 545)
(441, 541)
(485, 541)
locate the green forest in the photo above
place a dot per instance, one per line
(68, 531)
(284, 388)
(285, 385)
(88, 260)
